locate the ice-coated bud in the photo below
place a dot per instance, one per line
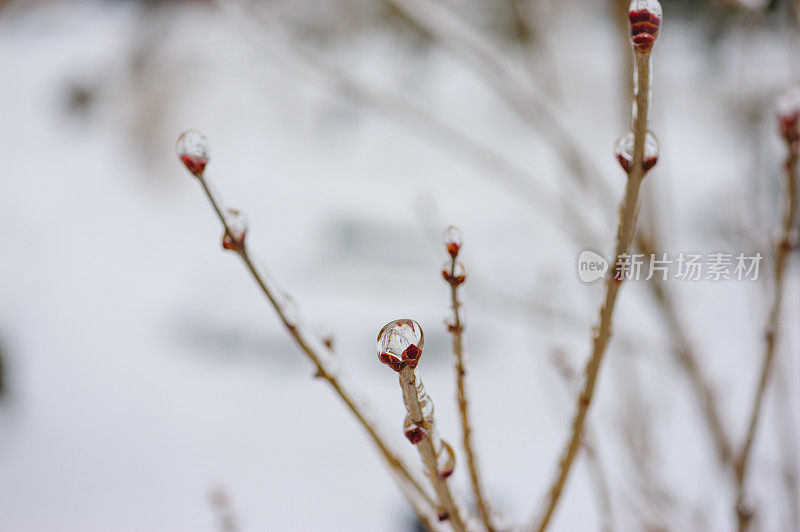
(453, 240)
(458, 274)
(237, 223)
(446, 459)
(192, 150)
(415, 433)
(400, 344)
(788, 109)
(623, 150)
(644, 18)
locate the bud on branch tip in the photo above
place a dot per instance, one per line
(400, 344)
(453, 240)
(788, 110)
(192, 150)
(644, 17)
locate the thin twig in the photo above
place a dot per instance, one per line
(534, 108)
(602, 491)
(323, 369)
(625, 229)
(456, 329)
(790, 468)
(427, 449)
(744, 513)
(521, 182)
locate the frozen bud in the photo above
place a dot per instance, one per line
(415, 433)
(192, 149)
(453, 240)
(644, 18)
(454, 273)
(400, 344)
(788, 109)
(623, 150)
(233, 239)
(446, 459)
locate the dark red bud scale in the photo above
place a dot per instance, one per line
(454, 273)
(391, 361)
(415, 435)
(623, 151)
(414, 432)
(411, 356)
(453, 249)
(644, 18)
(453, 279)
(453, 240)
(194, 165)
(647, 164)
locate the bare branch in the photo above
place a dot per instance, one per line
(625, 229)
(787, 241)
(454, 275)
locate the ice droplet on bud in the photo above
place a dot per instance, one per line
(788, 109)
(623, 150)
(445, 459)
(415, 433)
(400, 344)
(455, 274)
(237, 224)
(192, 149)
(453, 240)
(644, 18)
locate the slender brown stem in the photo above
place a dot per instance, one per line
(519, 181)
(457, 329)
(448, 508)
(790, 467)
(402, 472)
(744, 514)
(569, 377)
(625, 229)
(534, 108)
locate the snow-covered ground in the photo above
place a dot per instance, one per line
(144, 369)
